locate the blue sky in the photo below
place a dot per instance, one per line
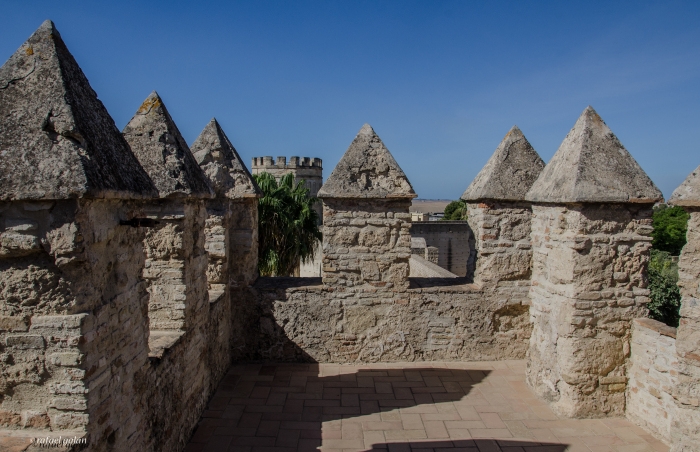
(441, 82)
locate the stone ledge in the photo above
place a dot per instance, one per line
(215, 296)
(427, 285)
(159, 342)
(657, 326)
(283, 282)
(417, 285)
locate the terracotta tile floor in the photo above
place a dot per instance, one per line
(475, 407)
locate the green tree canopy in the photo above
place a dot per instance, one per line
(670, 224)
(456, 210)
(663, 284)
(287, 226)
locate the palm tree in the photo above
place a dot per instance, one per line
(287, 226)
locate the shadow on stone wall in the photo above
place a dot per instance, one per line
(254, 328)
(295, 406)
(424, 283)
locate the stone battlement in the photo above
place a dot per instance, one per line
(129, 282)
(263, 163)
(308, 169)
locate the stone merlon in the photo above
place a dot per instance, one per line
(509, 173)
(57, 140)
(367, 170)
(222, 165)
(688, 193)
(164, 154)
(591, 165)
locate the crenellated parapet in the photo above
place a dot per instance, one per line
(265, 163)
(109, 318)
(307, 169)
(70, 266)
(129, 283)
(591, 237)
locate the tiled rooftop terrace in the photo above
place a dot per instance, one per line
(426, 406)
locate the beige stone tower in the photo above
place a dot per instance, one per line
(310, 170)
(685, 425)
(591, 235)
(366, 240)
(306, 168)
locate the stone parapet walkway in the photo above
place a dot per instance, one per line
(426, 406)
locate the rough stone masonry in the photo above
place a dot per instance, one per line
(365, 308)
(109, 327)
(685, 425)
(591, 228)
(500, 219)
(128, 279)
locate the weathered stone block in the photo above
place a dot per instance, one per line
(13, 323)
(68, 403)
(69, 421)
(77, 322)
(25, 342)
(69, 359)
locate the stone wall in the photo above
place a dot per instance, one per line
(588, 284)
(74, 312)
(502, 237)
(179, 372)
(79, 356)
(172, 257)
(300, 319)
(685, 427)
(116, 295)
(366, 242)
(454, 243)
(653, 374)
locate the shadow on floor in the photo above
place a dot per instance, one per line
(469, 445)
(294, 407)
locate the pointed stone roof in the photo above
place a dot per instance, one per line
(688, 193)
(509, 173)
(367, 170)
(156, 141)
(57, 140)
(591, 165)
(222, 165)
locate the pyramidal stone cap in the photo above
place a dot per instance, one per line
(367, 170)
(688, 193)
(57, 140)
(591, 165)
(222, 165)
(509, 173)
(156, 141)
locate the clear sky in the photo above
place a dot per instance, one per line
(441, 82)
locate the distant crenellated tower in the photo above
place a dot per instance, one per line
(310, 170)
(306, 168)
